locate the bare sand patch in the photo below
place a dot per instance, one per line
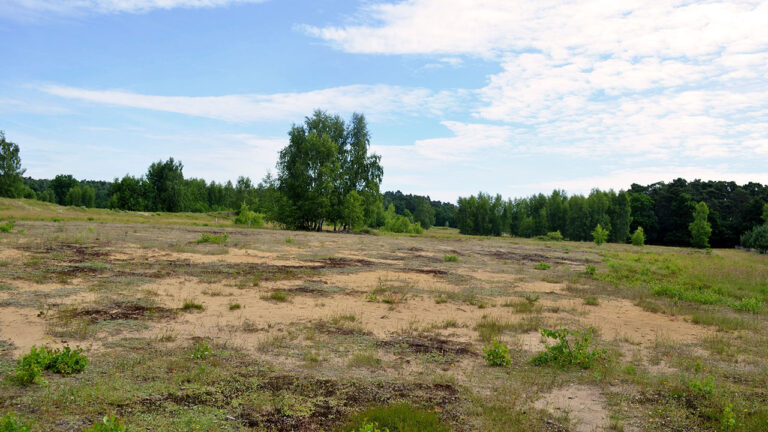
(584, 405)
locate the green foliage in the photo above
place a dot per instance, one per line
(638, 237)
(201, 351)
(11, 184)
(353, 211)
(599, 235)
(247, 217)
(481, 215)
(497, 354)
(591, 301)
(190, 305)
(573, 348)
(7, 227)
(750, 304)
(10, 423)
(397, 418)
(64, 361)
(109, 423)
(371, 427)
(756, 238)
(212, 238)
(700, 227)
(400, 224)
(590, 269)
(542, 266)
(555, 236)
(728, 419)
(277, 296)
(705, 387)
(450, 258)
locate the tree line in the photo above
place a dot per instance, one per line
(327, 176)
(664, 211)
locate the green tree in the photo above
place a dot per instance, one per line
(74, 197)
(11, 183)
(423, 212)
(353, 212)
(765, 213)
(638, 237)
(621, 217)
(599, 235)
(700, 227)
(166, 186)
(61, 185)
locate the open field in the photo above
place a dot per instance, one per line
(298, 331)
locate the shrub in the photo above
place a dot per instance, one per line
(64, 361)
(247, 217)
(638, 237)
(756, 238)
(277, 296)
(700, 228)
(555, 236)
(542, 266)
(705, 387)
(109, 423)
(7, 227)
(450, 258)
(9, 423)
(600, 235)
(591, 301)
(234, 306)
(590, 269)
(572, 349)
(212, 238)
(402, 417)
(751, 304)
(497, 354)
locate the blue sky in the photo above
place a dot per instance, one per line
(504, 96)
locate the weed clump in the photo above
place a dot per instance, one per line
(497, 354)
(234, 306)
(7, 227)
(212, 238)
(109, 423)
(64, 361)
(10, 423)
(573, 348)
(591, 301)
(277, 296)
(191, 305)
(450, 258)
(542, 266)
(201, 351)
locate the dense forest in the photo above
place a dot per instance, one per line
(325, 175)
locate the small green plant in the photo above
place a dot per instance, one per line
(370, 297)
(705, 387)
(401, 417)
(450, 258)
(750, 304)
(571, 349)
(364, 360)
(371, 427)
(638, 237)
(7, 227)
(497, 354)
(212, 238)
(64, 361)
(234, 306)
(109, 423)
(191, 305)
(531, 299)
(247, 217)
(591, 301)
(600, 235)
(277, 296)
(590, 270)
(542, 266)
(728, 419)
(288, 240)
(10, 423)
(201, 351)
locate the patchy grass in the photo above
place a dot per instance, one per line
(276, 296)
(191, 305)
(212, 238)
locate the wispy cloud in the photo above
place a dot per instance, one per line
(31, 8)
(376, 101)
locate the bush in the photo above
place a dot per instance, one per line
(64, 361)
(201, 351)
(590, 269)
(450, 258)
(542, 266)
(572, 349)
(497, 354)
(190, 305)
(396, 418)
(7, 227)
(600, 235)
(109, 423)
(277, 296)
(9, 423)
(247, 217)
(638, 237)
(555, 236)
(212, 238)
(756, 238)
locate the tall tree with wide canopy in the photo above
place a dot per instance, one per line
(11, 184)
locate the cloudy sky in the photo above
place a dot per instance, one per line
(506, 96)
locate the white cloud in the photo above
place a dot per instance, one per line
(376, 101)
(28, 8)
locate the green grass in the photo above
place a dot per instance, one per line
(192, 305)
(450, 258)
(364, 360)
(397, 418)
(591, 301)
(542, 266)
(276, 296)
